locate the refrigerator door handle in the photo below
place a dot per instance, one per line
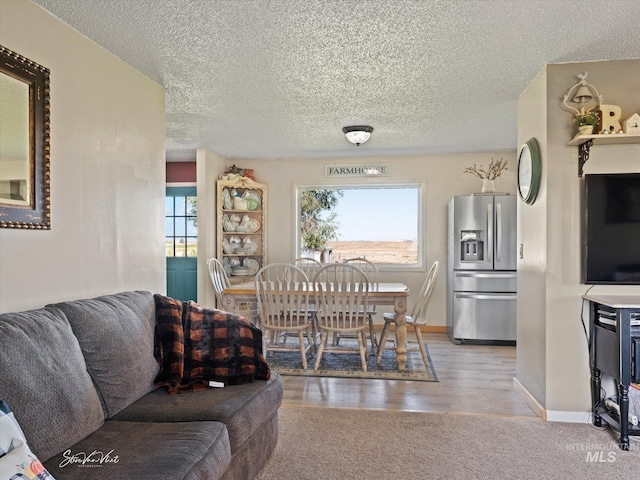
(498, 231)
(489, 231)
(479, 296)
(486, 275)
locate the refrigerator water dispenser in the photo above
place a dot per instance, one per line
(471, 246)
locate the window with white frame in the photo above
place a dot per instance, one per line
(383, 223)
(181, 226)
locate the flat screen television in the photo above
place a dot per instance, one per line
(612, 229)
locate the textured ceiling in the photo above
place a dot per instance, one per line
(280, 78)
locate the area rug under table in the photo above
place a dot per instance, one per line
(349, 366)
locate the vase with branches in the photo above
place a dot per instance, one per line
(490, 175)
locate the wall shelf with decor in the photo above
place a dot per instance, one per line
(584, 143)
(241, 227)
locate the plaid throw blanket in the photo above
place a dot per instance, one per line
(195, 345)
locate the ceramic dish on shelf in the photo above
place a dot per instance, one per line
(252, 225)
(227, 202)
(230, 223)
(227, 247)
(252, 265)
(240, 203)
(252, 198)
(226, 265)
(240, 271)
(250, 245)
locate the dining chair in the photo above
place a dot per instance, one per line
(219, 278)
(282, 291)
(342, 297)
(415, 319)
(371, 269)
(220, 281)
(310, 266)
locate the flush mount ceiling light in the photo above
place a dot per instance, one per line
(357, 134)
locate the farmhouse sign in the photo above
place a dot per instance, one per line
(378, 170)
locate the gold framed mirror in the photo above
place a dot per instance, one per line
(25, 187)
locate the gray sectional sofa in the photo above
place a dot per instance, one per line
(79, 377)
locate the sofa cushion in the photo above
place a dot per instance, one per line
(43, 376)
(242, 408)
(255, 452)
(116, 336)
(154, 451)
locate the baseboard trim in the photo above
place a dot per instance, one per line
(529, 399)
(549, 415)
(434, 328)
(423, 328)
(568, 417)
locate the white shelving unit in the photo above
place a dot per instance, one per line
(250, 241)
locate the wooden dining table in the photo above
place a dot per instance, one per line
(386, 294)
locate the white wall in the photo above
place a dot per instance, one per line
(532, 234)
(208, 166)
(107, 172)
(444, 179)
(553, 304)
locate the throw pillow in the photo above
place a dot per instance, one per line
(16, 459)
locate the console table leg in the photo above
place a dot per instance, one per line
(595, 395)
(623, 402)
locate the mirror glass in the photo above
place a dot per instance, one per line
(16, 187)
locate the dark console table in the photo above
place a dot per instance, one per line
(614, 350)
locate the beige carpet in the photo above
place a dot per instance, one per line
(341, 444)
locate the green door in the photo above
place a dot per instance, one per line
(181, 235)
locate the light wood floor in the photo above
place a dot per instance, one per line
(476, 379)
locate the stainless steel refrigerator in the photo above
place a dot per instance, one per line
(481, 269)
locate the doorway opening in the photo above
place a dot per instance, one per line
(181, 243)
